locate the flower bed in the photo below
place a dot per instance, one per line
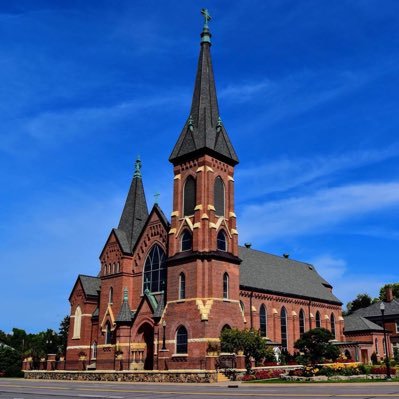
(263, 375)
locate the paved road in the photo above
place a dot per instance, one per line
(32, 389)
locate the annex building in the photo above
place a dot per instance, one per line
(167, 286)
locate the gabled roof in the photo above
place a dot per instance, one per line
(134, 214)
(355, 323)
(203, 131)
(279, 275)
(90, 285)
(391, 309)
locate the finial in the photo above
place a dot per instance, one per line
(219, 124)
(156, 198)
(137, 167)
(146, 284)
(206, 34)
(125, 294)
(191, 123)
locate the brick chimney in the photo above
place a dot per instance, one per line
(389, 293)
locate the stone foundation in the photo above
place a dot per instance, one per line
(186, 376)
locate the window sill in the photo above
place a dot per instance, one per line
(75, 338)
(181, 301)
(180, 355)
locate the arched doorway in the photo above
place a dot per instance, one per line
(146, 334)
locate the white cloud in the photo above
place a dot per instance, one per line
(284, 174)
(346, 284)
(317, 212)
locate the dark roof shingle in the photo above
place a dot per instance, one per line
(356, 323)
(275, 274)
(91, 285)
(391, 309)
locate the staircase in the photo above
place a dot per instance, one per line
(222, 378)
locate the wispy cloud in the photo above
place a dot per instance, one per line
(284, 174)
(320, 211)
(347, 284)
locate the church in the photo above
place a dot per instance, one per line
(167, 286)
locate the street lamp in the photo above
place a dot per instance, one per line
(382, 308)
(164, 335)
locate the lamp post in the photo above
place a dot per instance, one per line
(382, 308)
(164, 336)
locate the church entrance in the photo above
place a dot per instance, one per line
(146, 334)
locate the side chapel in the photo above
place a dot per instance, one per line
(167, 287)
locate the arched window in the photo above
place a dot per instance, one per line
(155, 270)
(283, 320)
(263, 321)
(94, 350)
(242, 306)
(318, 320)
(108, 333)
(225, 286)
(377, 351)
(111, 295)
(301, 322)
(221, 241)
(77, 323)
(226, 327)
(219, 201)
(186, 241)
(332, 323)
(181, 340)
(189, 194)
(118, 267)
(182, 286)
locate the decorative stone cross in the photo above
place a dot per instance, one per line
(207, 16)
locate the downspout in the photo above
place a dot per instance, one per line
(250, 310)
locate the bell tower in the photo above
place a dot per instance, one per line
(203, 262)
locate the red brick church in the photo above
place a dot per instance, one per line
(167, 287)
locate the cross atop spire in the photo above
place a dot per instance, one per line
(206, 34)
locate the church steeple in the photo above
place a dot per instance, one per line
(203, 131)
(135, 211)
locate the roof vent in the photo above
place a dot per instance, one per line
(286, 256)
(248, 245)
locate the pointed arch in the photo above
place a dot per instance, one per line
(301, 322)
(318, 320)
(186, 241)
(181, 340)
(262, 321)
(154, 276)
(283, 325)
(219, 196)
(108, 333)
(182, 286)
(225, 286)
(77, 323)
(94, 350)
(110, 295)
(221, 241)
(189, 196)
(332, 324)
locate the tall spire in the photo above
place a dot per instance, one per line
(135, 211)
(204, 130)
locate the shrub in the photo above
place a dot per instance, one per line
(10, 362)
(267, 374)
(248, 377)
(374, 358)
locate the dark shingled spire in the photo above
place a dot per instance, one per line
(125, 314)
(204, 131)
(134, 213)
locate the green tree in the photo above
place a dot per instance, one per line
(395, 291)
(248, 341)
(10, 361)
(361, 301)
(316, 346)
(63, 333)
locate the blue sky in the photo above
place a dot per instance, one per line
(308, 91)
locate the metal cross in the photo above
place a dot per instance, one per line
(156, 198)
(207, 16)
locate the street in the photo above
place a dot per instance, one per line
(29, 389)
